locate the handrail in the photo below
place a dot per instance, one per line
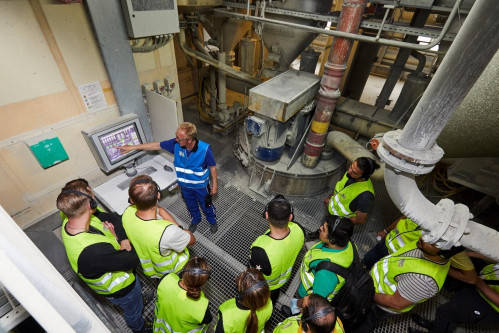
(342, 34)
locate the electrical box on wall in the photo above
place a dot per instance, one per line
(150, 18)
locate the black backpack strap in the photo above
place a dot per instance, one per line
(356, 258)
(332, 267)
(337, 269)
(492, 282)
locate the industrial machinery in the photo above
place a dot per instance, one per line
(285, 140)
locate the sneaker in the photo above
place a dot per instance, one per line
(147, 328)
(286, 311)
(214, 228)
(193, 227)
(421, 321)
(148, 297)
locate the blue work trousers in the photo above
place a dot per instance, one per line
(195, 197)
(132, 306)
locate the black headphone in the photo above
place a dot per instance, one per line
(197, 271)
(278, 200)
(256, 286)
(146, 181)
(371, 170)
(93, 202)
(321, 313)
(332, 239)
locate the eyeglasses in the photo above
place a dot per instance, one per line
(180, 140)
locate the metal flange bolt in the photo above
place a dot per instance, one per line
(403, 159)
(451, 225)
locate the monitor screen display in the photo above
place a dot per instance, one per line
(126, 135)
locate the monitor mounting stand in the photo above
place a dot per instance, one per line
(130, 169)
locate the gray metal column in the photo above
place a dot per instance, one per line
(360, 70)
(110, 30)
(418, 21)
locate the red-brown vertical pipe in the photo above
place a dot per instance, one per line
(349, 21)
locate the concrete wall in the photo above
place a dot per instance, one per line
(48, 50)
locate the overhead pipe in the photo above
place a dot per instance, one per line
(349, 21)
(352, 150)
(350, 35)
(213, 62)
(414, 150)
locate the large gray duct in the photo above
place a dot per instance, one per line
(473, 130)
(414, 150)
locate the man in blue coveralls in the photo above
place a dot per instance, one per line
(194, 162)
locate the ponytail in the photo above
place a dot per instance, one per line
(252, 322)
(254, 293)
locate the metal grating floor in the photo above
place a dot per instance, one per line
(239, 212)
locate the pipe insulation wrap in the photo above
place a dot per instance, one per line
(351, 150)
(406, 195)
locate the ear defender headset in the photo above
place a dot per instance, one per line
(147, 181)
(256, 286)
(278, 200)
(332, 239)
(321, 313)
(367, 174)
(197, 271)
(93, 202)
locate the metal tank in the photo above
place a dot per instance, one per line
(287, 42)
(414, 87)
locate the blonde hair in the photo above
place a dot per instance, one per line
(189, 129)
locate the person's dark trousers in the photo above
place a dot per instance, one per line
(132, 306)
(194, 197)
(466, 306)
(375, 254)
(375, 315)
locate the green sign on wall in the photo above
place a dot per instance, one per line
(49, 152)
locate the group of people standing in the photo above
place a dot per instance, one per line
(104, 250)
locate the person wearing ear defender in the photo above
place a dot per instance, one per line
(317, 316)
(353, 195)
(96, 256)
(181, 306)
(274, 253)
(335, 246)
(160, 243)
(251, 308)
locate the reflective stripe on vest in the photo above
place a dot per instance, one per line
(282, 254)
(404, 233)
(490, 273)
(175, 312)
(307, 272)
(145, 237)
(108, 283)
(339, 204)
(385, 271)
(234, 318)
(190, 172)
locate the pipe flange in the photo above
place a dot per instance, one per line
(403, 159)
(450, 227)
(443, 220)
(457, 228)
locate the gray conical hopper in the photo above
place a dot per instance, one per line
(292, 41)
